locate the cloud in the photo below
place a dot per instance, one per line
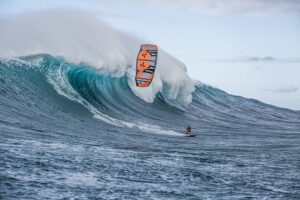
(217, 6)
(256, 59)
(288, 89)
(266, 59)
(231, 6)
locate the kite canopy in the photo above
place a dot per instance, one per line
(146, 64)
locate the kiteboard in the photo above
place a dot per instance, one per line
(191, 135)
(146, 65)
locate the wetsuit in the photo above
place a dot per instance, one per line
(189, 130)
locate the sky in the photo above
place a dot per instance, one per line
(247, 48)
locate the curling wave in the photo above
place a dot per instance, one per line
(40, 82)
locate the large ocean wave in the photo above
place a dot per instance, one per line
(42, 80)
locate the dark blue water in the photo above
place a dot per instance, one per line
(67, 131)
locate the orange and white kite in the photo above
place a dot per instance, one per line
(146, 65)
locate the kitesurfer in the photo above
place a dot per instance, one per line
(189, 130)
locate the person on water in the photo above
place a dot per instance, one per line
(189, 130)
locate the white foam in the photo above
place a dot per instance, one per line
(138, 125)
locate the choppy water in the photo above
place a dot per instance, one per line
(67, 131)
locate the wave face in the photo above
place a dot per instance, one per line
(81, 129)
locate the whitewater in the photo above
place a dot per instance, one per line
(74, 125)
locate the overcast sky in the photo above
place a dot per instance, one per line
(247, 48)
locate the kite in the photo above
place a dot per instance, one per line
(146, 64)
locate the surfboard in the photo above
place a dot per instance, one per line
(192, 135)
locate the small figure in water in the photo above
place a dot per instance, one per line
(189, 130)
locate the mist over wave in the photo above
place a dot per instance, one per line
(81, 37)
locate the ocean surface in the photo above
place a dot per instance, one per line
(72, 132)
